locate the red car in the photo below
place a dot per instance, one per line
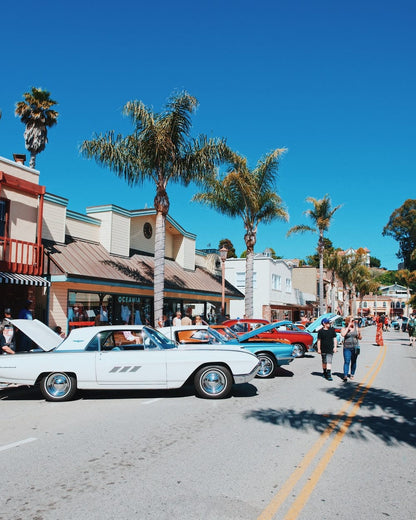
(283, 330)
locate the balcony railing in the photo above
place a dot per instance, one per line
(17, 256)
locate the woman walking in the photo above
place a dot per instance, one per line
(379, 331)
(351, 334)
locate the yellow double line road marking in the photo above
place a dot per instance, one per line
(344, 421)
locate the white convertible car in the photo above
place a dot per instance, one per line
(121, 357)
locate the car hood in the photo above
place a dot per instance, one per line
(39, 333)
(318, 322)
(260, 330)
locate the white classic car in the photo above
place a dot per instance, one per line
(121, 357)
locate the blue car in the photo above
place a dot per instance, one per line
(271, 354)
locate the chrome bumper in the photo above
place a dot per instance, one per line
(244, 378)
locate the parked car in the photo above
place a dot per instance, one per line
(301, 340)
(122, 357)
(270, 354)
(314, 327)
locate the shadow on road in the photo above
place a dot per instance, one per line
(27, 393)
(396, 424)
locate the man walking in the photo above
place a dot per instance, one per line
(327, 346)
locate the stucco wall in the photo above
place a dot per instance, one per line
(23, 215)
(53, 227)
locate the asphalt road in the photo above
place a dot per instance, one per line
(296, 446)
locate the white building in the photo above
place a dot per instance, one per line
(275, 298)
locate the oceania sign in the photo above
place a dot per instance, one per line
(128, 299)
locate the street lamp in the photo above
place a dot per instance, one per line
(223, 255)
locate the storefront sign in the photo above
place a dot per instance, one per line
(128, 299)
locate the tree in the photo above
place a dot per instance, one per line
(321, 216)
(313, 260)
(159, 150)
(374, 262)
(226, 242)
(251, 195)
(35, 112)
(402, 227)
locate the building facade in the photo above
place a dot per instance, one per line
(275, 295)
(21, 248)
(84, 269)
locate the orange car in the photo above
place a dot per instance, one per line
(280, 331)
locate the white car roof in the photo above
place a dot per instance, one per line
(169, 331)
(77, 339)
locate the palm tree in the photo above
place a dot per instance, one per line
(160, 150)
(249, 194)
(35, 112)
(321, 216)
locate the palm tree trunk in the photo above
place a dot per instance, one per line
(32, 162)
(249, 284)
(159, 270)
(354, 301)
(321, 274)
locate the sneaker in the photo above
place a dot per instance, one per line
(345, 379)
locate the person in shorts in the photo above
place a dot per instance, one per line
(327, 346)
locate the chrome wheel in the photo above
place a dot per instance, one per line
(58, 386)
(267, 365)
(298, 350)
(213, 382)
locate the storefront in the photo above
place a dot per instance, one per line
(102, 308)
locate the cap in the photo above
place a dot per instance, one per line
(325, 320)
(7, 311)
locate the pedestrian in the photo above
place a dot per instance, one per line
(411, 329)
(327, 346)
(7, 334)
(177, 319)
(25, 313)
(60, 332)
(399, 323)
(160, 322)
(379, 330)
(186, 320)
(351, 334)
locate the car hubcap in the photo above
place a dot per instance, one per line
(213, 382)
(57, 385)
(297, 350)
(266, 367)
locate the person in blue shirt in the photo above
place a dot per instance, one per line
(25, 343)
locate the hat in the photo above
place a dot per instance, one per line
(325, 320)
(7, 311)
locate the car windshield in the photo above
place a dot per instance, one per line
(217, 336)
(228, 334)
(155, 339)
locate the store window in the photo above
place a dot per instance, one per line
(86, 309)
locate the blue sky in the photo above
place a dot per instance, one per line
(334, 82)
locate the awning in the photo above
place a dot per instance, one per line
(24, 279)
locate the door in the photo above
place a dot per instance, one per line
(134, 366)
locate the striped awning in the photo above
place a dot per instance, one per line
(24, 279)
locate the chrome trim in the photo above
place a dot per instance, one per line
(244, 378)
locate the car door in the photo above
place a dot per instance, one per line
(135, 366)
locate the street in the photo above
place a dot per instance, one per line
(293, 447)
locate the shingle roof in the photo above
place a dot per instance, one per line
(80, 258)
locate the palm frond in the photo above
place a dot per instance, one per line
(300, 229)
